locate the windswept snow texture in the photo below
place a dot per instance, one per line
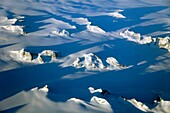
(6, 25)
(116, 14)
(44, 56)
(44, 89)
(59, 33)
(84, 56)
(92, 62)
(163, 43)
(95, 29)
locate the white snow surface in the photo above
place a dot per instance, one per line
(42, 57)
(43, 89)
(159, 42)
(13, 29)
(6, 21)
(59, 33)
(81, 21)
(89, 61)
(84, 56)
(95, 29)
(92, 90)
(6, 25)
(93, 62)
(116, 14)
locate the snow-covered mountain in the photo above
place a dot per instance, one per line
(92, 62)
(84, 56)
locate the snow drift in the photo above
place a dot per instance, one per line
(6, 25)
(112, 59)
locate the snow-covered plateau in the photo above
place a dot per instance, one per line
(84, 56)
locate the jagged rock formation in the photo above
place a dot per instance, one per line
(48, 53)
(13, 29)
(92, 62)
(6, 25)
(59, 33)
(43, 89)
(130, 35)
(89, 61)
(44, 56)
(114, 64)
(25, 55)
(95, 29)
(163, 43)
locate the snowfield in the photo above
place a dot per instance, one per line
(84, 56)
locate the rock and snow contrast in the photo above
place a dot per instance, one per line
(59, 33)
(92, 90)
(114, 64)
(44, 89)
(89, 61)
(6, 25)
(44, 56)
(84, 56)
(93, 62)
(163, 43)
